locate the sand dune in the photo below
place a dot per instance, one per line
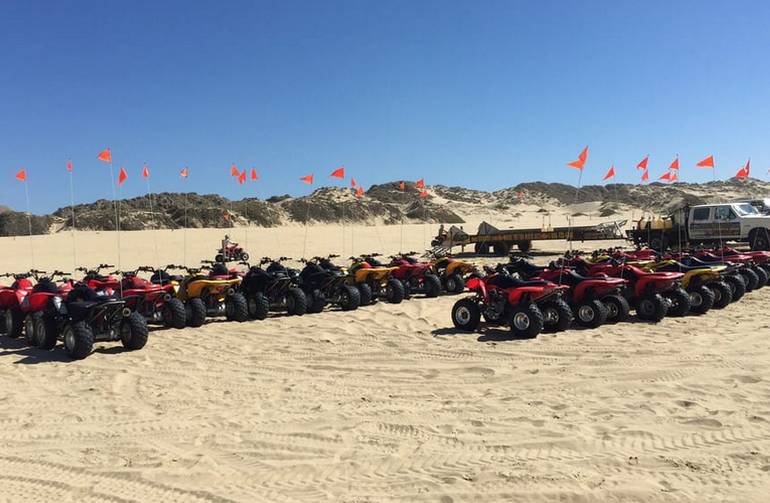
(387, 403)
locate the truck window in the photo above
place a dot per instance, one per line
(701, 213)
(724, 213)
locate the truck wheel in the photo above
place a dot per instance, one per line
(78, 340)
(466, 315)
(759, 239)
(502, 249)
(723, 294)
(557, 316)
(481, 248)
(527, 322)
(134, 332)
(524, 246)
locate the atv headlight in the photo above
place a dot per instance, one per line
(57, 302)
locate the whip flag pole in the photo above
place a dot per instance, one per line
(402, 188)
(339, 173)
(106, 156)
(578, 164)
(72, 208)
(21, 176)
(308, 179)
(146, 176)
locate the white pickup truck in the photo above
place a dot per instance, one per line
(706, 224)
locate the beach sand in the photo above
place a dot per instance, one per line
(387, 403)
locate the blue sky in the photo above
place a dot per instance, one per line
(481, 94)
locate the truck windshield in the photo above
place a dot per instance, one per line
(745, 209)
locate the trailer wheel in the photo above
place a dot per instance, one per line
(502, 249)
(524, 246)
(759, 239)
(481, 248)
(658, 243)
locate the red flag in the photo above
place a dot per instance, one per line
(674, 164)
(610, 173)
(254, 176)
(708, 162)
(419, 184)
(105, 155)
(674, 175)
(307, 179)
(645, 175)
(21, 175)
(744, 171)
(122, 176)
(581, 160)
(146, 172)
(242, 177)
(353, 183)
(234, 171)
(402, 186)
(69, 165)
(665, 176)
(643, 163)
(338, 173)
(360, 191)
(424, 194)
(185, 172)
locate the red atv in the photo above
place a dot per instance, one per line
(417, 277)
(503, 299)
(231, 252)
(653, 294)
(45, 298)
(594, 300)
(753, 275)
(11, 298)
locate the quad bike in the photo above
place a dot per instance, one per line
(417, 277)
(85, 316)
(11, 298)
(39, 300)
(505, 300)
(325, 283)
(730, 274)
(593, 300)
(754, 276)
(452, 272)
(375, 282)
(230, 253)
(654, 295)
(211, 290)
(272, 288)
(705, 285)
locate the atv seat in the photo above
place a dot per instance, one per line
(572, 278)
(505, 281)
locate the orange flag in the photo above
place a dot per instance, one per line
(105, 155)
(674, 164)
(424, 194)
(643, 163)
(307, 179)
(242, 177)
(338, 173)
(234, 171)
(21, 175)
(744, 171)
(674, 176)
(122, 176)
(402, 186)
(254, 176)
(665, 176)
(185, 172)
(708, 162)
(146, 172)
(645, 175)
(419, 184)
(581, 160)
(610, 173)
(69, 165)
(360, 192)
(353, 183)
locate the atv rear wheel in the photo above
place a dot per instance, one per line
(195, 312)
(432, 285)
(236, 308)
(394, 291)
(527, 321)
(78, 340)
(701, 299)
(454, 284)
(617, 308)
(29, 329)
(219, 258)
(763, 276)
(591, 313)
(244, 257)
(316, 302)
(350, 298)
(737, 286)
(407, 289)
(134, 331)
(296, 302)
(750, 278)
(173, 314)
(13, 323)
(258, 306)
(722, 294)
(680, 302)
(46, 332)
(365, 292)
(466, 315)
(652, 308)
(557, 316)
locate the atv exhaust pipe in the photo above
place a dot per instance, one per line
(126, 312)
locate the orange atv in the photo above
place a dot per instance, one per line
(212, 294)
(452, 272)
(374, 280)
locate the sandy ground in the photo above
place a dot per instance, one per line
(387, 403)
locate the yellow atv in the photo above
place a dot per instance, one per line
(374, 280)
(704, 284)
(213, 293)
(452, 272)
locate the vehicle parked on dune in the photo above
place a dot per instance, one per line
(211, 291)
(44, 297)
(453, 272)
(11, 298)
(417, 277)
(325, 283)
(374, 281)
(273, 288)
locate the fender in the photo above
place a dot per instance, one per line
(515, 294)
(477, 285)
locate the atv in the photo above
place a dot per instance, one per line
(325, 283)
(211, 290)
(231, 253)
(705, 285)
(754, 276)
(40, 300)
(374, 281)
(157, 302)
(452, 272)
(273, 288)
(505, 300)
(417, 277)
(11, 298)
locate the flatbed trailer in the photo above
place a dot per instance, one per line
(501, 242)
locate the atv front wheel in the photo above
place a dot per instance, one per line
(454, 284)
(78, 340)
(617, 308)
(750, 278)
(29, 329)
(394, 291)
(244, 257)
(365, 292)
(219, 258)
(652, 307)
(557, 316)
(296, 302)
(315, 301)
(13, 323)
(173, 314)
(195, 312)
(762, 275)
(737, 286)
(680, 302)
(527, 322)
(466, 315)
(407, 289)
(591, 313)
(134, 331)
(723, 294)
(432, 285)
(350, 298)
(258, 306)
(701, 299)
(46, 332)
(236, 308)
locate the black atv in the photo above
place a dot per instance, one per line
(85, 317)
(274, 288)
(325, 283)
